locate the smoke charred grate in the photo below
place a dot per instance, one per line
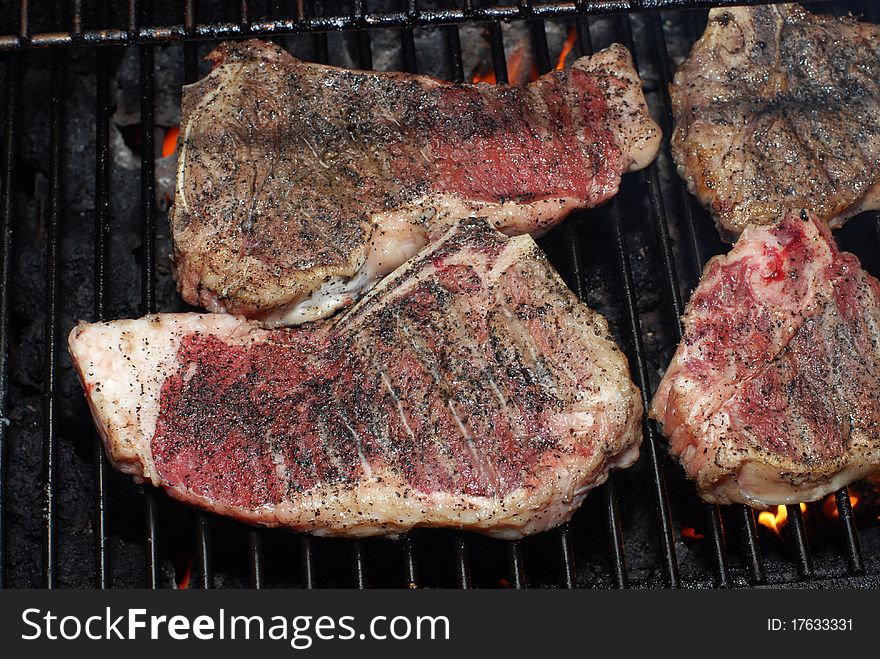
(91, 96)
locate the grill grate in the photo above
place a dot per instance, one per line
(360, 19)
(141, 34)
(13, 85)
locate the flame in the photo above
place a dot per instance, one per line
(515, 69)
(515, 65)
(169, 144)
(485, 76)
(566, 48)
(690, 533)
(829, 506)
(776, 521)
(772, 521)
(183, 582)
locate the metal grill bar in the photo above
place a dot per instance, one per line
(365, 52)
(569, 576)
(7, 209)
(132, 15)
(203, 551)
(148, 259)
(408, 48)
(308, 562)
(147, 133)
(76, 21)
(499, 59)
(799, 531)
(23, 26)
(463, 574)
(255, 558)
(411, 572)
(754, 559)
(190, 50)
(396, 19)
(516, 565)
(50, 373)
(151, 533)
(244, 14)
(101, 269)
(850, 534)
(319, 45)
(615, 535)
(453, 47)
(357, 554)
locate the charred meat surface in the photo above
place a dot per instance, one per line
(300, 185)
(469, 389)
(777, 108)
(773, 396)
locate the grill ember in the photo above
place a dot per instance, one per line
(86, 168)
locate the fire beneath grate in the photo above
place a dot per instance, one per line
(87, 174)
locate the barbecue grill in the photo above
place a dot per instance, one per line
(83, 237)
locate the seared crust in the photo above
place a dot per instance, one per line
(776, 108)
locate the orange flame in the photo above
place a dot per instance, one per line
(566, 48)
(515, 69)
(485, 76)
(772, 521)
(515, 65)
(776, 521)
(169, 144)
(829, 506)
(690, 533)
(183, 582)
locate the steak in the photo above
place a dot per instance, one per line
(773, 395)
(777, 108)
(469, 389)
(300, 185)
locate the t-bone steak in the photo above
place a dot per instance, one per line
(470, 389)
(777, 108)
(300, 185)
(773, 396)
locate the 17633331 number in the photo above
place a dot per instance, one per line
(810, 625)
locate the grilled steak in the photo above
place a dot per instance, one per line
(773, 396)
(777, 108)
(300, 185)
(469, 389)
